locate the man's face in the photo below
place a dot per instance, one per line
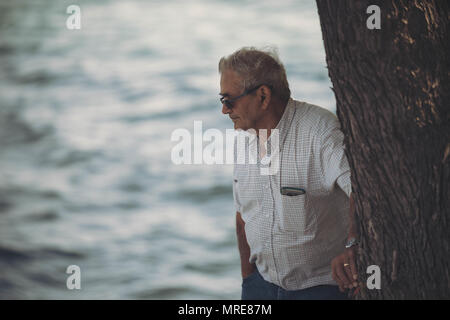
(244, 111)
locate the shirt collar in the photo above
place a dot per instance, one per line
(283, 125)
(285, 121)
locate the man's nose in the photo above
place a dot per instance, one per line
(225, 110)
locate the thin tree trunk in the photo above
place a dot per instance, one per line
(393, 95)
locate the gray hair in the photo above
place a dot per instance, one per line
(258, 67)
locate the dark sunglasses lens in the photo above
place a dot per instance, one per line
(228, 104)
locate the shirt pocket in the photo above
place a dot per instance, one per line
(294, 216)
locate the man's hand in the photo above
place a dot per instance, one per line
(343, 269)
(249, 271)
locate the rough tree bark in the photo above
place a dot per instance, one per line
(393, 95)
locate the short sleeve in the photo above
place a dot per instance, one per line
(334, 164)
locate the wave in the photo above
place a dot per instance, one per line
(12, 256)
(204, 194)
(38, 77)
(14, 130)
(171, 115)
(164, 293)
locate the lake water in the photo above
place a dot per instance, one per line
(86, 118)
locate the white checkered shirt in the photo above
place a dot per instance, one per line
(293, 239)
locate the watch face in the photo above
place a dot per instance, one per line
(350, 243)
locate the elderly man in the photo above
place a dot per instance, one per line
(294, 236)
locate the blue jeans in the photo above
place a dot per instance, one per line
(254, 287)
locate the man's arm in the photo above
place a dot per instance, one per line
(247, 268)
(343, 266)
(337, 171)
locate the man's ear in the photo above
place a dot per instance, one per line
(265, 94)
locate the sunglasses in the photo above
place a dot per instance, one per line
(229, 103)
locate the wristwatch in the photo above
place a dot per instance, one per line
(351, 242)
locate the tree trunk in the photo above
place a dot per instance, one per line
(392, 96)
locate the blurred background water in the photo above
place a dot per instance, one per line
(86, 118)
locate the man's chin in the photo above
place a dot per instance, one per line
(237, 126)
